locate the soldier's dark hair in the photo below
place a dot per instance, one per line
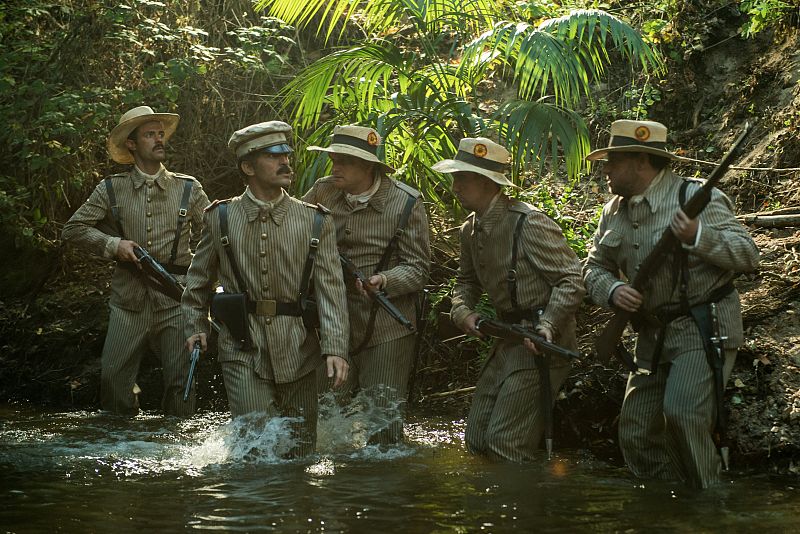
(132, 135)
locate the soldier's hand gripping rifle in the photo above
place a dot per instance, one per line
(609, 340)
(379, 296)
(164, 280)
(195, 357)
(495, 328)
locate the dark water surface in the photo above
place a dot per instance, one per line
(89, 472)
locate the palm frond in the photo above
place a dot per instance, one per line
(542, 63)
(383, 16)
(534, 131)
(348, 75)
(590, 29)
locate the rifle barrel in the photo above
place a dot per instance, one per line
(195, 357)
(497, 328)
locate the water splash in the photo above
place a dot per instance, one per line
(251, 438)
(346, 428)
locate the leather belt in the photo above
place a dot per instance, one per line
(272, 308)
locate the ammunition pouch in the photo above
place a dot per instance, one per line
(310, 313)
(231, 310)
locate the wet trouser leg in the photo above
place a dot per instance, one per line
(168, 334)
(505, 420)
(382, 373)
(126, 340)
(690, 410)
(248, 393)
(667, 419)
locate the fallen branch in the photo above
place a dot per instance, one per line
(443, 394)
(770, 221)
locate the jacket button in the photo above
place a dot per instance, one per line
(149, 243)
(268, 320)
(263, 236)
(635, 225)
(262, 253)
(636, 245)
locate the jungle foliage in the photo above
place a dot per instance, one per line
(424, 72)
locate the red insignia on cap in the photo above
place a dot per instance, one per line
(372, 139)
(642, 133)
(479, 151)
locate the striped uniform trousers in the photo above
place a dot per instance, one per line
(667, 419)
(506, 420)
(129, 334)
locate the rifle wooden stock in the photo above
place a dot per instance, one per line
(607, 342)
(379, 296)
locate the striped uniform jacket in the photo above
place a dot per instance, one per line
(548, 271)
(149, 215)
(362, 234)
(270, 245)
(627, 233)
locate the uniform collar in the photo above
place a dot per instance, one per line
(255, 208)
(494, 213)
(378, 199)
(654, 196)
(363, 198)
(140, 177)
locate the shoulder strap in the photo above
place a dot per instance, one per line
(112, 199)
(512, 271)
(226, 244)
(313, 245)
(398, 233)
(182, 212)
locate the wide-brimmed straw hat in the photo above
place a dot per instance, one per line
(359, 141)
(635, 136)
(270, 136)
(131, 120)
(480, 155)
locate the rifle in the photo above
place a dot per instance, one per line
(164, 280)
(495, 328)
(190, 377)
(609, 340)
(378, 296)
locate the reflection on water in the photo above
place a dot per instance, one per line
(89, 472)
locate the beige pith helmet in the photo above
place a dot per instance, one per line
(359, 141)
(635, 136)
(128, 122)
(270, 136)
(480, 155)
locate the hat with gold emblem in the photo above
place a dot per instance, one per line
(128, 122)
(359, 141)
(635, 136)
(270, 136)
(480, 155)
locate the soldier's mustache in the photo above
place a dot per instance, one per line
(284, 169)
